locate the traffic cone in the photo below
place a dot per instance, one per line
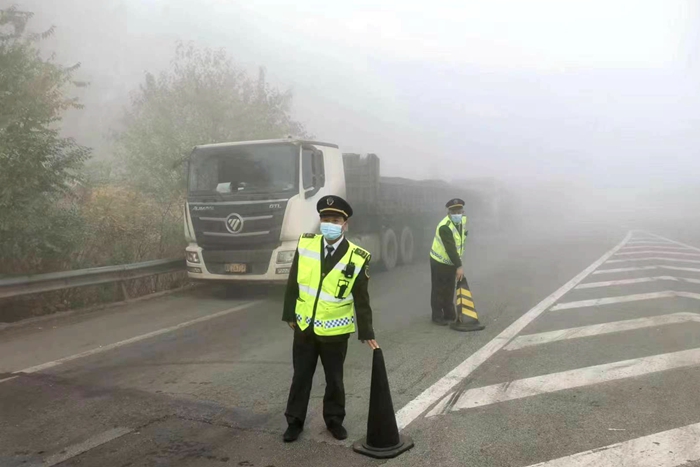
(383, 440)
(467, 319)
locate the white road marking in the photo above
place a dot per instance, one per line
(444, 385)
(597, 374)
(670, 448)
(640, 280)
(696, 296)
(659, 252)
(85, 446)
(530, 340)
(624, 299)
(115, 345)
(654, 258)
(7, 379)
(647, 242)
(441, 407)
(675, 242)
(644, 247)
(646, 268)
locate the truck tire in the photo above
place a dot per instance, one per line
(406, 246)
(390, 250)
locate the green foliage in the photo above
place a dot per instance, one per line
(38, 218)
(124, 226)
(203, 98)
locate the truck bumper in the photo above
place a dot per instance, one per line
(276, 272)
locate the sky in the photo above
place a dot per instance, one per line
(602, 93)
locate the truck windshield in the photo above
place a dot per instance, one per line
(244, 169)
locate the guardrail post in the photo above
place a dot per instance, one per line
(125, 293)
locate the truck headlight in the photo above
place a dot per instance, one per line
(192, 256)
(285, 257)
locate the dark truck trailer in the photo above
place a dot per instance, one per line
(402, 213)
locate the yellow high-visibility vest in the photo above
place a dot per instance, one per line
(438, 252)
(327, 301)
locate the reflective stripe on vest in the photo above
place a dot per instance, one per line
(438, 251)
(320, 300)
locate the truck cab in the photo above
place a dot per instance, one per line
(248, 203)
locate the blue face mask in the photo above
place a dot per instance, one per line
(331, 231)
(456, 218)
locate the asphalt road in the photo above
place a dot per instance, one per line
(200, 378)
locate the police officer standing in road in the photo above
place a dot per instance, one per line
(327, 281)
(446, 261)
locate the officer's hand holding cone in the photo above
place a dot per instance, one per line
(319, 304)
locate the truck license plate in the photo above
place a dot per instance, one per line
(236, 268)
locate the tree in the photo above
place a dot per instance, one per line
(38, 166)
(203, 98)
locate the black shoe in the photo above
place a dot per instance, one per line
(292, 433)
(441, 321)
(338, 431)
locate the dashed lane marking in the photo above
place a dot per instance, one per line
(645, 268)
(85, 446)
(105, 348)
(670, 448)
(654, 258)
(675, 242)
(529, 340)
(640, 280)
(624, 299)
(659, 252)
(646, 242)
(666, 248)
(554, 382)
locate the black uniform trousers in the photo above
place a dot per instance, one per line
(306, 350)
(442, 290)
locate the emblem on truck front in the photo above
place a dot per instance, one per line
(234, 223)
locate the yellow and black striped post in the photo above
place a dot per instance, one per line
(467, 319)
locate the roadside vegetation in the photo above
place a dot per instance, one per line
(61, 208)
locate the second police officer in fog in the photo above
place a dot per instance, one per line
(327, 288)
(446, 261)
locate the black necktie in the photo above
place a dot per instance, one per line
(329, 252)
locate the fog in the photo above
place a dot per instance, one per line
(593, 105)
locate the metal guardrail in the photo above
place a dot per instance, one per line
(36, 283)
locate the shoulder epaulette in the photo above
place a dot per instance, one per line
(361, 253)
(309, 235)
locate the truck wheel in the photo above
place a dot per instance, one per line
(390, 249)
(407, 247)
